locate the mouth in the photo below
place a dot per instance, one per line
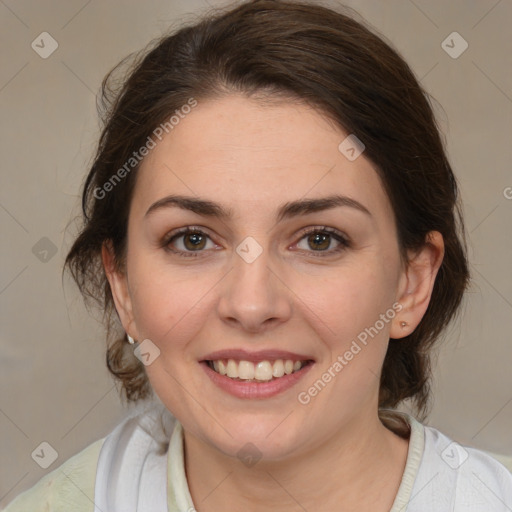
(259, 371)
(256, 375)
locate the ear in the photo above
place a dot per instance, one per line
(416, 285)
(118, 281)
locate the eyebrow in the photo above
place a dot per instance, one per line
(288, 210)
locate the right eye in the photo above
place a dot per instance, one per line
(193, 240)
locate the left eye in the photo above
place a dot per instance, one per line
(320, 240)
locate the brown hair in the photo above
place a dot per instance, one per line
(297, 51)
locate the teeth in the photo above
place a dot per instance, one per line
(261, 371)
(232, 369)
(245, 370)
(278, 368)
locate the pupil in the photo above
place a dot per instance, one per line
(319, 237)
(195, 239)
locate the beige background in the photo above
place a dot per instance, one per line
(54, 385)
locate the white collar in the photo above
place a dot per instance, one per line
(131, 475)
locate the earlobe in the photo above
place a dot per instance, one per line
(418, 282)
(119, 287)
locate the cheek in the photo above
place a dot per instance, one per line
(168, 306)
(347, 300)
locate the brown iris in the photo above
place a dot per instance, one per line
(323, 238)
(196, 240)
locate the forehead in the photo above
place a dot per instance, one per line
(240, 152)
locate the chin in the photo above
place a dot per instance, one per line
(255, 437)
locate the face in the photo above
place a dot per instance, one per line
(270, 280)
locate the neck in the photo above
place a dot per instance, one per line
(361, 466)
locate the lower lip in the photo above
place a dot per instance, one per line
(255, 390)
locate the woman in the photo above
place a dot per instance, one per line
(272, 228)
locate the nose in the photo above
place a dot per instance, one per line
(254, 297)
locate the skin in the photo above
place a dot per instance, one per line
(253, 157)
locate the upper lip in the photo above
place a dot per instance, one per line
(261, 355)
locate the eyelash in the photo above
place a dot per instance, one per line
(339, 237)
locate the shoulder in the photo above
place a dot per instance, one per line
(455, 477)
(68, 487)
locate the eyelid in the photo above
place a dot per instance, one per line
(322, 228)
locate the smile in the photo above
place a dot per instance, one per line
(258, 371)
(255, 375)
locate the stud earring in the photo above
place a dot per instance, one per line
(131, 341)
(403, 324)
